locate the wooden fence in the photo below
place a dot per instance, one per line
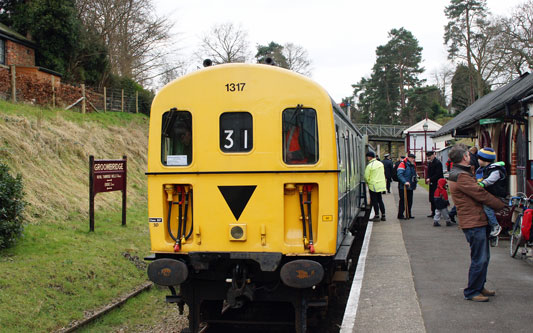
(46, 89)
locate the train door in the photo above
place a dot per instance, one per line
(346, 179)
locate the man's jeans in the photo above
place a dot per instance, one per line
(478, 238)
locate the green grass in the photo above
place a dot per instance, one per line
(139, 314)
(58, 269)
(423, 184)
(106, 119)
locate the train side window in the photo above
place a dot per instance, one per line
(300, 136)
(356, 154)
(236, 132)
(350, 162)
(176, 138)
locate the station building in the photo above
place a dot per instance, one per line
(503, 121)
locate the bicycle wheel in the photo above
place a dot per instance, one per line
(516, 236)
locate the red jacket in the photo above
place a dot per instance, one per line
(441, 195)
(441, 189)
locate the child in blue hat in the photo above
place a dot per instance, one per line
(491, 175)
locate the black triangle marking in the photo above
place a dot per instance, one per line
(237, 197)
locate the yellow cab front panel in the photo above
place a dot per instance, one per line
(243, 200)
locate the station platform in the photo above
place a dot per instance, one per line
(411, 275)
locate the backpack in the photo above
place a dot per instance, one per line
(394, 174)
(526, 224)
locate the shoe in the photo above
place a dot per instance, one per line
(436, 224)
(495, 231)
(383, 218)
(400, 217)
(432, 215)
(486, 292)
(411, 217)
(376, 218)
(449, 224)
(452, 218)
(479, 298)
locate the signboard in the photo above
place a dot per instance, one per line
(487, 121)
(107, 176)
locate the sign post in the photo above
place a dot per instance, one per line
(107, 176)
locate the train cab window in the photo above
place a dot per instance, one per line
(176, 138)
(300, 136)
(236, 132)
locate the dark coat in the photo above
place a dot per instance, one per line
(434, 172)
(407, 173)
(469, 198)
(387, 163)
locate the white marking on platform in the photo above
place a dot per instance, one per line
(348, 322)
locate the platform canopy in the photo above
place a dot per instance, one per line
(495, 104)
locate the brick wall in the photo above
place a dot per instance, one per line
(35, 87)
(5, 83)
(17, 54)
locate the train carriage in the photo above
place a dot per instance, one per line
(255, 186)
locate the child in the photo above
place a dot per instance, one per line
(491, 175)
(441, 203)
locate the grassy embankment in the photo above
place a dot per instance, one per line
(59, 269)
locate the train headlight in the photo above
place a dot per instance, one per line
(237, 232)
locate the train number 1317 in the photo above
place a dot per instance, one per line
(231, 87)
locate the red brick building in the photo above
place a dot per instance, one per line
(15, 49)
(19, 51)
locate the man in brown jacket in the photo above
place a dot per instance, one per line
(469, 198)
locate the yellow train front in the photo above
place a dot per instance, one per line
(254, 179)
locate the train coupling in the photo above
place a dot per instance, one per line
(241, 289)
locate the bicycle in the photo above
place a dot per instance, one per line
(516, 239)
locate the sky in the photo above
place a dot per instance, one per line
(340, 36)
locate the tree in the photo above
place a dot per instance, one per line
(405, 55)
(466, 22)
(461, 87)
(137, 40)
(273, 51)
(289, 56)
(515, 40)
(297, 59)
(423, 102)
(442, 78)
(224, 43)
(382, 98)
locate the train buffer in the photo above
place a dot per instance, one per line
(411, 278)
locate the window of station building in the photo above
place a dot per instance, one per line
(2, 51)
(176, 138)
(300, 136)
(236, 132)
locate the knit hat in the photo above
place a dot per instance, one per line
(487, 154)
(371, 154)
